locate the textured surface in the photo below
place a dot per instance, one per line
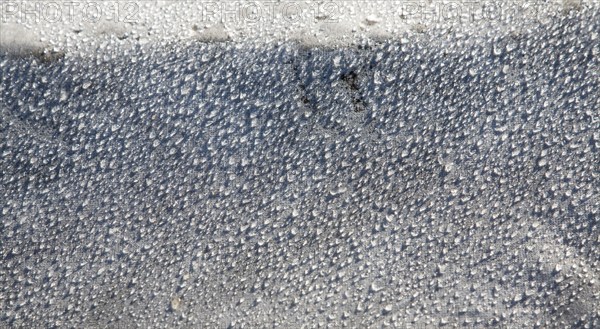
(442, 180)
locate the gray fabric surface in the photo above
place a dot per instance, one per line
(450, 180)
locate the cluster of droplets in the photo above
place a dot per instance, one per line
(431, 181)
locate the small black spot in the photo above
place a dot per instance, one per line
(47, 57)
(351, 79)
